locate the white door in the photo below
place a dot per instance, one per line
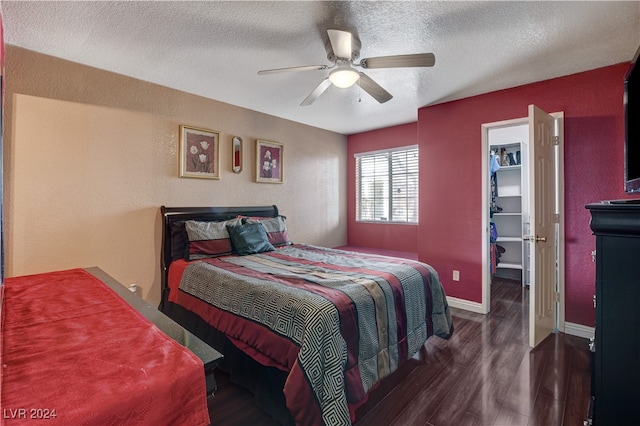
(542, 238)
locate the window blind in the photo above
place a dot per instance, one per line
(387, 185)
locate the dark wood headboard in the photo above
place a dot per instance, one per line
(171, 215)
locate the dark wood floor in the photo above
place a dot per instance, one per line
(484, 375)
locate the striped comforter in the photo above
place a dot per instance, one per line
(354, 317)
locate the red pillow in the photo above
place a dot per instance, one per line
(209, 239)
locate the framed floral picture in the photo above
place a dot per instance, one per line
(199, 153)
(269, 162)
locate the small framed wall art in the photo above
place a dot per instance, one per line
(199, 153)
(269, 162)
(236, 154)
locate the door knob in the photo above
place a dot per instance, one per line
(535, 238)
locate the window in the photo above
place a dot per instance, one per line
(387, 185)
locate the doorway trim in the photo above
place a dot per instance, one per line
(485, 305)
(559, 116)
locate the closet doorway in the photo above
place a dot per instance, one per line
(523, 214)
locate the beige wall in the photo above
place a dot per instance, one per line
(90, 156)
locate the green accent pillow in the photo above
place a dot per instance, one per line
(249, 238)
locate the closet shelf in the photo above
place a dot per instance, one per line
(509, 265)
(509, 239)
(508, 191)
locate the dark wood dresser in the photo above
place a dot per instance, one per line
(616, 369)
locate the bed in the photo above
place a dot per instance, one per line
(309, 330)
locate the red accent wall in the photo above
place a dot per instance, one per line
(378, 235)
(449, 136)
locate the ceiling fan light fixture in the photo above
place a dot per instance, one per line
(344, 76)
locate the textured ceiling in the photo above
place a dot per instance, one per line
(214, 49)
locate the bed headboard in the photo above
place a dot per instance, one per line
(172, 215)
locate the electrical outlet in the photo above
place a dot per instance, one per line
(456, 275)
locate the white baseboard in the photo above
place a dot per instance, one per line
(578, 330)
(467, 305)
(569, 327)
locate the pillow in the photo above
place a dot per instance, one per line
(276, 228)
(249, 238)
(179, 241)
(209, 239)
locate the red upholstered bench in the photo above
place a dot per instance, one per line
(76, 351)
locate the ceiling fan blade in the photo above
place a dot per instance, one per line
(374, 89)
(324, 85)
(303, 68)
(341, 43)
(400, 61)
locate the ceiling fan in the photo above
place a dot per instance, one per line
(344, 49)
